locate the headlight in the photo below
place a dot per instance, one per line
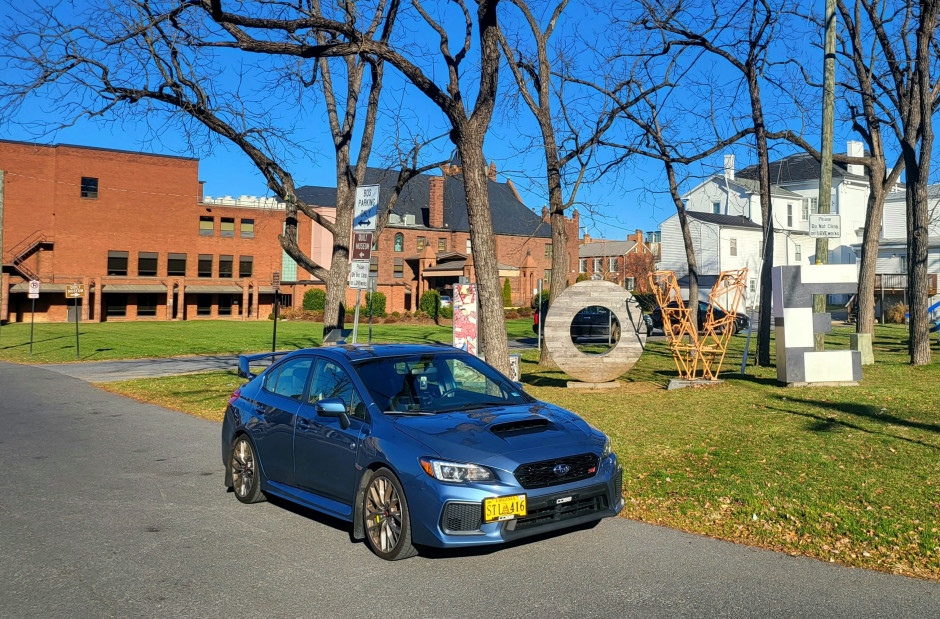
(607, 450)
(456, 471)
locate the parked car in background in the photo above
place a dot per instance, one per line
(445, 301)
(591, 323)
(655, 320)
(415, 445)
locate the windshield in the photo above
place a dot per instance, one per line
(436, 383)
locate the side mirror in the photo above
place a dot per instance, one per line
(333, 407)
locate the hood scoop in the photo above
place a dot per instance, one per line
(523, 426)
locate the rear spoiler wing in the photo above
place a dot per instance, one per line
(245, 361)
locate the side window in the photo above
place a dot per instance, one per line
(292, 378)
(332, 381)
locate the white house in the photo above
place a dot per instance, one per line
(725, 217)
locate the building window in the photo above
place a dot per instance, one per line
(206, 226)
(226, 265)
(422, 241)
(789, 215)
(548, 250)
(146, 264)
(760, 249)
(612, 264)
(226, 303)
(441, 244)
(116, 305)
(176, 264)
(399, 267)
(598, 262)
(248, 228)
(805, 209)
(752, 286)
(374, 265)
(89, 187)
(117, 263)
(734, 247)
(814, 206)
(630, 283)
(716, 208)
(227, 226)
(203, 304)
(798, 252)
(147, 304)
(245, 266)
(582, 265)
(399, 242)
(205, 265)
(548, 278)
(469, 247)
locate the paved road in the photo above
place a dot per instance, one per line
(110, 507)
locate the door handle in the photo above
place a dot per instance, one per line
(303, 424)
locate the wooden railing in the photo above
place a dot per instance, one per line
(897, 282)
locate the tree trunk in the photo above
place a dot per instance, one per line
(334, 308)
(492, 321)
(870, 241)
(767, 222)
(556, 209)
(687, 241)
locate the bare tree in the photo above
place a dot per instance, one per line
(157, 56)
(540, 80)
(738, 34)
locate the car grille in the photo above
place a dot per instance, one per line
(542, 474)
(549, 511)
(462, 517)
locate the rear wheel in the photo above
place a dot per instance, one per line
(386, 519)
(243, 464)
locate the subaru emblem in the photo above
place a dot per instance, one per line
(561, 469)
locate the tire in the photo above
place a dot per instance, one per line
(386, 520)
(245, 472)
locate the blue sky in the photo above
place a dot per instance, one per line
(634, 197)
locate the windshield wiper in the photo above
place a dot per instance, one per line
(473, 405)
(409, 413)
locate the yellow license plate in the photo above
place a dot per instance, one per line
(503, 507)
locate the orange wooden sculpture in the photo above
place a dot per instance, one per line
(699, 354)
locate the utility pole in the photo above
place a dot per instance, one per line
(825, 173)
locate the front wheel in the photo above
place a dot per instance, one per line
(386, 519)
(245, 475)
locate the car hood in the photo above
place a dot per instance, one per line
(503, 437)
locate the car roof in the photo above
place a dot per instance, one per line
(359, 352)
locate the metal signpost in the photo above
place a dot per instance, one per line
(365, 216)
(75, 291)
(33, 295)
(276, 281)
(372, 286)
(538, 310)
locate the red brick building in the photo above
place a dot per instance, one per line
(136, 230)
(626, 263)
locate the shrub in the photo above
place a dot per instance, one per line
(647, 301)
(378, 304)
(391, 319)
(447, 312)
(397, 314)
(895, 313)
(507, 293)
(315, 299)
(431, 304)
(583, 277)
(536, 301)
(525, 312)
(511, 314)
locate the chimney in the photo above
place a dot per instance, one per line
(545, 214)
(200, 192)
(855, 149)
(729, 167)
(639, 238)
(587, 238)
(491, 171)
(436, 203)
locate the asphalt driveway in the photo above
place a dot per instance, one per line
(111, 507)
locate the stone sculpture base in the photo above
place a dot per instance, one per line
(573, 384)
(676, 383)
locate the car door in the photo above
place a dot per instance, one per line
(280, 396)
(325, 452)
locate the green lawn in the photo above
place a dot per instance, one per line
(54, 343)
(846, 474)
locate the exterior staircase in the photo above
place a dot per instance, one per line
(17, 256)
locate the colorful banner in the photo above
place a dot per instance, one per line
(465, 318)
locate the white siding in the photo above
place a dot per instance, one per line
(733, 202)
(673, 249)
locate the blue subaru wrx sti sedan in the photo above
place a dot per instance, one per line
(415, 445)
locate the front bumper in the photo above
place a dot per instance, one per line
(450, 516)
